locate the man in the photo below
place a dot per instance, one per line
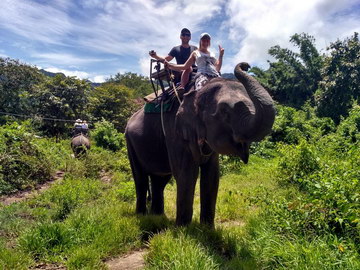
(181, 54)
(77, 127)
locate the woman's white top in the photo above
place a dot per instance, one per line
(206, 63)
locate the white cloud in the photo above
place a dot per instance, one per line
(65, 59)
(144, 64)
(76, 73)
(79, 74)
(124, 31)
(134, 27)
(260, 24)
(99, 78)
(35, 21)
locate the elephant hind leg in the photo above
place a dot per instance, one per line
(158, 184)
(142, 187)
(141, 180)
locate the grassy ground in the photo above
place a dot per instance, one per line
(84, 220)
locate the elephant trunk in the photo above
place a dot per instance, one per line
(260, 124)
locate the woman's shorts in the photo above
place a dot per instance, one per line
(201, 79)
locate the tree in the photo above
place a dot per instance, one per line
(61, 98)
(140, 85)
(340, 85)
(294, 78)
(17, 81)
(112, 102)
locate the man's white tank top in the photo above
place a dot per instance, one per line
(206, 63)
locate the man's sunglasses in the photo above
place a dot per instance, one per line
(186, 35)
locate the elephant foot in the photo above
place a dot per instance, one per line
(141, 210)
(182, 221)
(157, 212)
(208, 223)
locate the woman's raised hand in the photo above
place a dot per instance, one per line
(221, 51)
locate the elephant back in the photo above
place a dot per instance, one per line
(80, 140)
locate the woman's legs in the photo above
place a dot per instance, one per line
(200, 81)
(185, 77)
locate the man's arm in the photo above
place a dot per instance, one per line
(188, 63)
(160, 58)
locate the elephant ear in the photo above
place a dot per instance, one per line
(188, 124)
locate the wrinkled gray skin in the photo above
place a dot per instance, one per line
(222, 118)
(80, 144)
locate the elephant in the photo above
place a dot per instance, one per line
(80, 144)
(223, 117)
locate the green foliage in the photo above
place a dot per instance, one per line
(330, 179)
(112, 102)
(22, 162)
(126, 191)
(139, 84)
(271, 249)
(294, 78)
(78, 222)
(60, 97)
(169, 251)
(341, 78)
(85, 258)
(17, 81)
(349, 128)
(297, 162)
(50, 239)
(106, 136)
(291, 125)
(10, 259)
(63, 198)
(229, 164)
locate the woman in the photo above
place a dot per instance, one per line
(208, 66)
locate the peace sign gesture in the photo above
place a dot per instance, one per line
(221, 51)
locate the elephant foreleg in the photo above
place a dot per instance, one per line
(209, 185)
(158, 184)
(186, 182)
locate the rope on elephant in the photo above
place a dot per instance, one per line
(162, 117)
(173, 84)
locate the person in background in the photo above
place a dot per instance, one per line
(181, 54)
(77, 127)
(208, 67)
(85, 127)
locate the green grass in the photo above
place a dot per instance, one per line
(81, 221)
(249, 204)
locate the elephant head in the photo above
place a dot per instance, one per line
(227, 114)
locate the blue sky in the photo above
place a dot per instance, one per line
(95, 39)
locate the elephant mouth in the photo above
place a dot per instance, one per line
(227, 145)
(242, 149)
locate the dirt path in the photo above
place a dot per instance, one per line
(25, 194)
(131, 261)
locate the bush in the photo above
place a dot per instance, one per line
(297, 162)
(329, 177)
(291, 126)
(23, 163)
(107, 136)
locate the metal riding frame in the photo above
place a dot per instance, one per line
(159, 76)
